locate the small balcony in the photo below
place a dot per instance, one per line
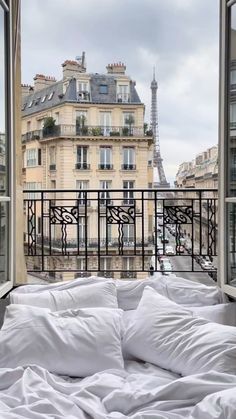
(82, 166)
(128, 167)
(105, 166)
(144, 226)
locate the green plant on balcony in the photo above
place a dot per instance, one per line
(81, 127)
(48, 126)
(114, 133)
(125, 131)
(129, 120)
(96, 131)
(149, 132)
(145, 127)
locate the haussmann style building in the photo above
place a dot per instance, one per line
(85, 133)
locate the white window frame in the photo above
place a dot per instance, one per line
(105, 156)
(31, 157)
(83, 157)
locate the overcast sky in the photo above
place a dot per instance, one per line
(179, 37)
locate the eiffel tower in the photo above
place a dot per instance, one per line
(157, 159)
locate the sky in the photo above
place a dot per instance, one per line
(178, 37)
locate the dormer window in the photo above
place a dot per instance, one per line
(37, 101)
(123, 94)
(24, 106)
(30, 104)
(43, 98)
(83, 91)
(50, 96)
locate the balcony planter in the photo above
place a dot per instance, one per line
(96, 131)
(125, 131)
(114, 134)
(149, 133)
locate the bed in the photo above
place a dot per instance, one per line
(161, 348)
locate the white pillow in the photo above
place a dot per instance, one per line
(100, 294)
(73, 342)
(180, 290)
(62, 285)
(219, 313)
(166, 334)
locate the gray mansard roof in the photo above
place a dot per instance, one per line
(56, 91)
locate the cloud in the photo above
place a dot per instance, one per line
(179, 37)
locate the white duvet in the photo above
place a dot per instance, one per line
(140, 391)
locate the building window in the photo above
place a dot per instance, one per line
(123, 93)
(128, 267)
(81, 122)
(128, 123)
(103, 89)
(31, 157)
(82, 230)
(82, 185)
(105, 196)
(128, 234)
(30, 104)
(128, 194)
(43, 98)
(105, 158)
(82, 157)
(128, 158)
(105, 122)
(57, 118)
(50, 95)
(52, 157)
(32, 186)
(105, 232)
(105, 267)
(83, 90)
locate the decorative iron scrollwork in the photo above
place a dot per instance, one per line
(120, 215)
(178, 215)
(64, 215)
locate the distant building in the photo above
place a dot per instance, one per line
(84, 132)
(202, 172)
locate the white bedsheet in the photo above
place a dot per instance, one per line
(141, 391)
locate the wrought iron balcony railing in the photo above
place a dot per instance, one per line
(69, 233)
(85, 130)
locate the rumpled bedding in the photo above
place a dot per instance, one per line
(140, 391)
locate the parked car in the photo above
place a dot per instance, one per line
(169, 250)
(207, 265)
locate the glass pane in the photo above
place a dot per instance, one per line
(4, 241)
(3, 141)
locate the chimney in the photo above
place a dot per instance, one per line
(26, 89)
(116, 68)
(72, 68)
(41, 81)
